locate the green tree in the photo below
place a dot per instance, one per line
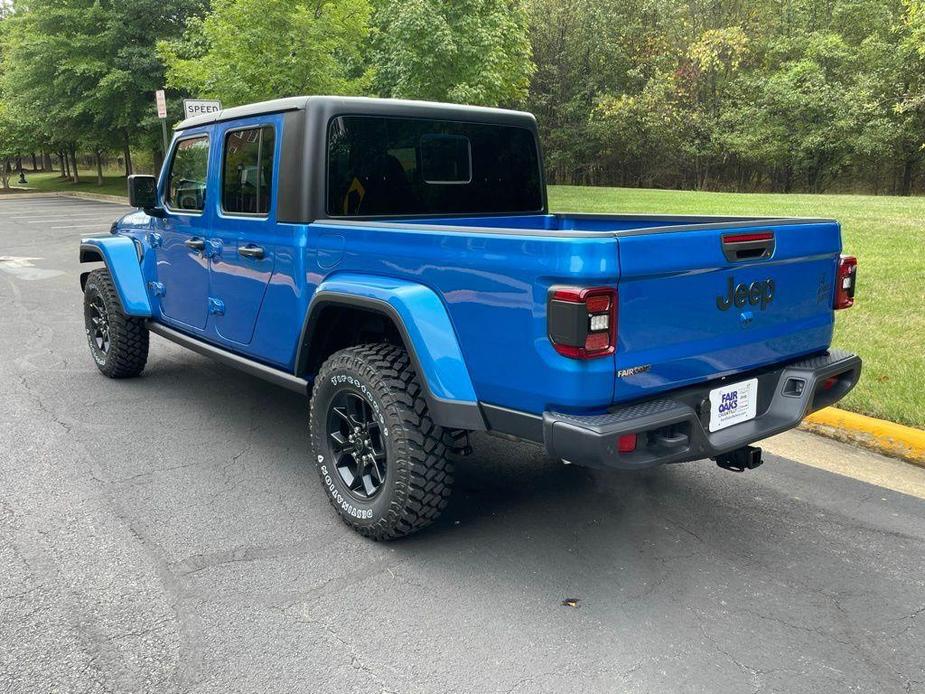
(466, 51)
(84, 71)
(786, 94)
(253, 50)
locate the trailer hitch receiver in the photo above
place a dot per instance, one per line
(741, 459)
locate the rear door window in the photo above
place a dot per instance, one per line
(189, 168)
(247, 171)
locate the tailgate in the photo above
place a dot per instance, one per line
(702, 303)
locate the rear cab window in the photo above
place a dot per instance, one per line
(189, 169)
(247, 170)
(393, 166)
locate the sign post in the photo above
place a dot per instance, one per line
(162, 114)
(199, 107)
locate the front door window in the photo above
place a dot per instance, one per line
(186, 184)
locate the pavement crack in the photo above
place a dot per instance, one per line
(43, 407)
(910, 618)
(753, 672)
(799, 627)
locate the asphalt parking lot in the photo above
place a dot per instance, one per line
(169, 534)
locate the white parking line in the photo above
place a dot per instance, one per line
(68, 218)
(62, 206)
(45, 202)
(99, 225)
(21, 206)
(21, 214)
(64, 200)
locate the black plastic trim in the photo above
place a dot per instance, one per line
(292, 180)
(521, 425)
(742, 251)
(674, 428)
(90, 254)
(267, 373)
(453, 414)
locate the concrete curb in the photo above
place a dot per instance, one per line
(885, 437)
(97, 196)
(101, 197)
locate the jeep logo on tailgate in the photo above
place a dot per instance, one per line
(757, 293)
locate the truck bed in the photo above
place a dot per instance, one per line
(671, 274)
(570, 223)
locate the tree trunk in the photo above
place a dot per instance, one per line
(76, 177)
(65, 164)
(127, 151)
(99, 168)
(905, 187)
(4, 174)
(158, 160)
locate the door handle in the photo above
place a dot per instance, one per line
(251, 251)
(196, 243)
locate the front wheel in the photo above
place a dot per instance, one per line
(381, 458)
(118, 343)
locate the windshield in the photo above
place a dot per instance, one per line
(383, 166)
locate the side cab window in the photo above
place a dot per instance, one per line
(189, 169)
(247, 170)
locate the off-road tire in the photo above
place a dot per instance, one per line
(127, 351)
(418, 476)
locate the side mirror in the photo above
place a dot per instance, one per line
(142, 193)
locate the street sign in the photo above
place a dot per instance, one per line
(198, 107)
(161, 103)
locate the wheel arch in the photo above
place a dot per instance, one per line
(351, 312)
(120, 256)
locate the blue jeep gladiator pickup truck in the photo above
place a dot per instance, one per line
(397, 262)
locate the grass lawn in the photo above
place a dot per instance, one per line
(52, 183)
(886, 326)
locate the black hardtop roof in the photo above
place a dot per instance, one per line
(365, 106)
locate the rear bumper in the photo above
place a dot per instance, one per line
(675, 428)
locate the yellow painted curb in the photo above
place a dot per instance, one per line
(888, 438)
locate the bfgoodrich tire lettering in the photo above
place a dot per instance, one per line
(118, 343)
(417, 476)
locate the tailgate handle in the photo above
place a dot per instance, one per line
(751, 246)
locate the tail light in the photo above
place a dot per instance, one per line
(845, 279)
(582, 323)
(626, 443)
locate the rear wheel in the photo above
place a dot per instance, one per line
(381, 458)
(118, 343)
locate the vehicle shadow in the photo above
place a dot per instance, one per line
(501, 478)
(505, 493)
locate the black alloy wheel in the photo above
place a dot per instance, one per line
(357, 448)
(98, 324)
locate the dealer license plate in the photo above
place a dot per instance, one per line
(733, 404)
